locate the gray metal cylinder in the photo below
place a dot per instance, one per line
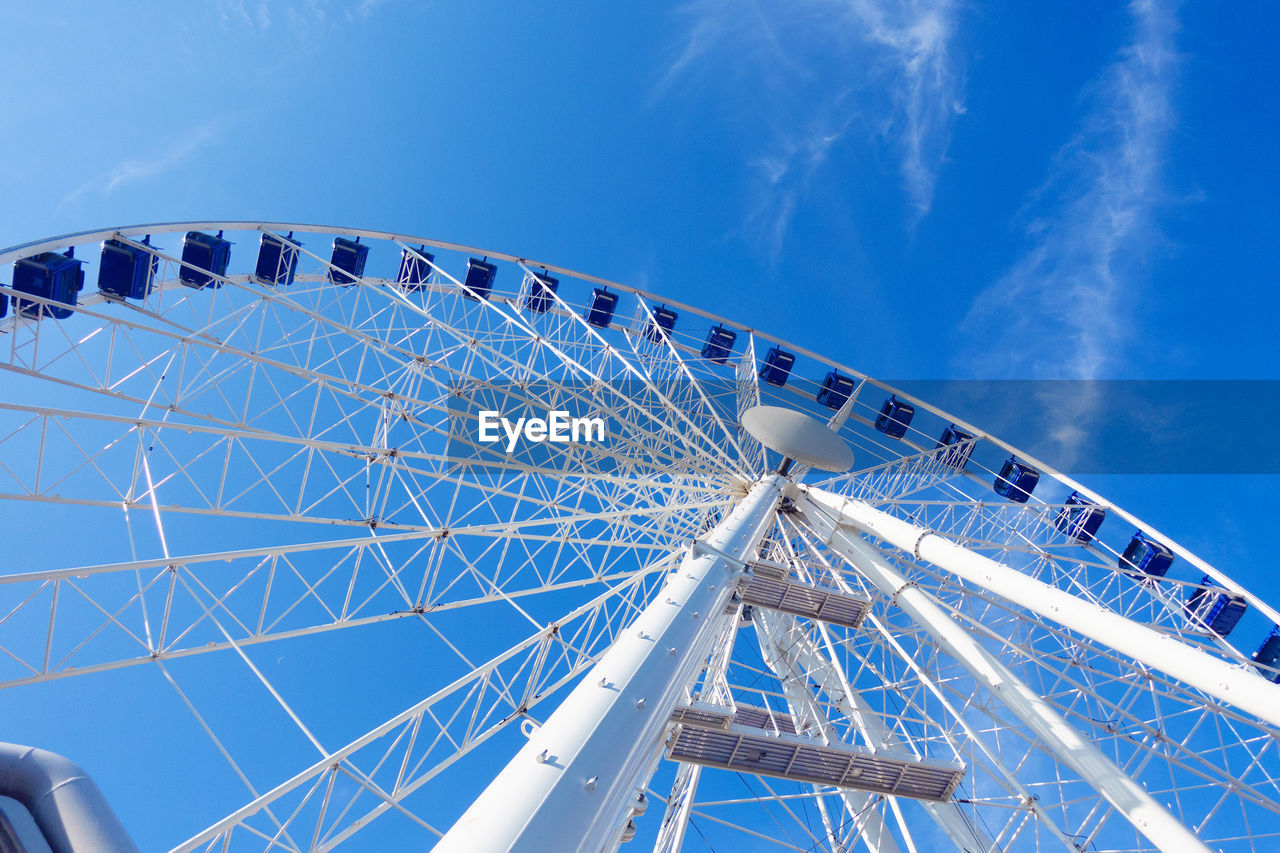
(66, 804)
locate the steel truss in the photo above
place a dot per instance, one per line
(268, 503)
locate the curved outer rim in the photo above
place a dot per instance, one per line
(13, 253)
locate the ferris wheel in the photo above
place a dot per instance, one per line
(322, 537)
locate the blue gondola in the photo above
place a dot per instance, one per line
(1016, 480)
(277, 260)
(211, 254)
(479, 280)
(1080, 518)
(719, 344)
(835, 390)
(960, 444)
(538, 299)
(349, 256)
(1147, 556)
(4, 305)
(1219, 611)
(125, 271)
(52, 276)
(777, 366)
(1268, 654)
(895, 417)
(659, 328)
(602, 304)
(414, 270)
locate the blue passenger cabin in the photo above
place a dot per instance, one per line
(959, 444)
(49, 275)
(1079, 518)
(895, 417)
(4, 305)
(659, 328)
(209, 254)
(835, 390)
(777, 366)
(125, 271)
(1219, 611)
(1016, 480)
(479, 280)
(349, 258)
(542, 285)
(600, 312)
(1268, 654)
(1147, 556)
(415, 269)
(719, 344)
(277, 260)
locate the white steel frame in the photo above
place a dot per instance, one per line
(282, 465)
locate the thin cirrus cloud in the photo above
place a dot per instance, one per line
(786, 173)
(917, 39)
(179, 150)
(882, 71)
(299, 16)
(1058, 311)
(254, 16)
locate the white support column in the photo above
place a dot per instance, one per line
(675, 822)
(1063, 741)
(793, 653)
(1229, 683)
(568, 787)
(781, 658)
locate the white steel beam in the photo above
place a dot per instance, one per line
(823, 513)
(796, 659)
(568, 787)
(780, 658)
(1230, 683)
(679, 807)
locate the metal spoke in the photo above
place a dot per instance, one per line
(273, 491)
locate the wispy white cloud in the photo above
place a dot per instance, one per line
(1059, 311)
(927, 85)
(173, 155)
(786, 173)
(759, 40)
(255, 16)
(301, 17)
(365, 8)
(818, 72)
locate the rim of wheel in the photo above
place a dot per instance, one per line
(254, 522)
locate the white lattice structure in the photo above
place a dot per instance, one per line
(260, 513)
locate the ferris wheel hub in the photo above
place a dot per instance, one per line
(798, 436)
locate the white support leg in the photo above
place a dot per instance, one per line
(676, 820)
(1229, 683)
(776, 631)
(569, 786)
(793, 653)
(714, 689)
(1059, 737)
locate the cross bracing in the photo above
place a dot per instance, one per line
(277, 472)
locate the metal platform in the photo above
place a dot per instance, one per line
(769, 569)
(711, 716)
(764, 718)
(715, 737)
(768, 587)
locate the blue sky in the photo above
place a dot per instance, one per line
(931, 189)
(923, 190)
